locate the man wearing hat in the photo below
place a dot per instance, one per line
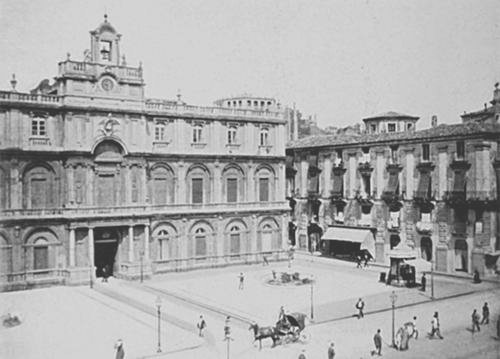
(331, 351)
(120, 352)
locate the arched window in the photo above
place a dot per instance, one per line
(394, 240)
(200, 237)
(267, 238)
(264, 137)
(163, 241)
(231, 135)
(40, 254)
(426, 248)
(235, 239)
(162, 186)
(461, 255)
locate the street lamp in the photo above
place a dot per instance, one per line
(158, 308)
(312, 297)
(432, 279)
(142, 266)
(393, 297)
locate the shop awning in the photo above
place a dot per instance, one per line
(402, 251)
(421, 265)
(338, 182)
(392, 184)
(424, 185)
(362, 236)
(459, 184)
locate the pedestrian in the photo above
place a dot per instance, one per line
(360, 306)
(242, 280)
(331, 351)
(227, 328)
(302, 355)
(377, 340)
(282, 314)
(415, 330)
(423, 281)
(367, 259)
(120, 352)
(435, 327)
(475, 321)
(265, 261)
(476, 278)
(201, 326)
(358, 261)
(486, 314)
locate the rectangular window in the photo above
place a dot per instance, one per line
(197, 132)
(41, 257)
(264, 137)
(391, 127)
(425, 152)
(231, 135)
(159, 132)
(460, 150)
(197, 190)
(409, 126)
(373, 128)
(232, 190)
(106, 50)
(200, 246)
(263, 189)
(38, 127)
(394, 154)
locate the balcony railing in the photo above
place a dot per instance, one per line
(459, 228)
(454, 197)
(121, 211)
(7, 96)
(481, 196)
(94, 69)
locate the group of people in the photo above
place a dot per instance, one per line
(476, 318)
(365, 258)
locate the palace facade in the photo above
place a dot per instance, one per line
(434, 192)
(93, 174)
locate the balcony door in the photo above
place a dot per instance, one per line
(106, 190)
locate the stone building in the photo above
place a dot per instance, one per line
(94, 174)
(434, 191)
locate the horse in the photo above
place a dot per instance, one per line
(263, 333)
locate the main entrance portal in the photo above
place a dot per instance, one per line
(105, 250)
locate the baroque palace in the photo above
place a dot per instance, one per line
(433, 192)
(94, 175)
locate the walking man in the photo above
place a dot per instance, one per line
(423, 281)
(331, 351)
(435, 327)
(265, 261)
(242, 280)
(120, 352)
(415, 330)
(377, 340)
(475, 321)
(358, 261)
(201, 326)
(486, 314)
(360, 306)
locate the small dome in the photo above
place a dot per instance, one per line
(105, 26)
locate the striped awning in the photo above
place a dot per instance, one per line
(354, 235)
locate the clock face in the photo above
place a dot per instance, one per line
(107, 84)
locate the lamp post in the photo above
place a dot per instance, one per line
(158, 308)
(393, 297)
(432, 280)
(312, 297)
(142, 266)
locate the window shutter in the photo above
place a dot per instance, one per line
(197, 190)
(263, 189)
(232, 190)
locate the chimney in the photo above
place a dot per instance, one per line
(434, 121)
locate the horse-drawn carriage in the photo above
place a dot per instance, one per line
(289, 329)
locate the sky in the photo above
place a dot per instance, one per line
(339, 60)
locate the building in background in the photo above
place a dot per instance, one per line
(434, 192)
(94, 174)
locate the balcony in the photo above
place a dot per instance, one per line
(393, 224)
(39, 141)
(336, 195)
(17, 97)
(454, 197)
(459, 228)
(481, 197)
(390, 197)
(141, 211)
(88, 69)
(424, 227)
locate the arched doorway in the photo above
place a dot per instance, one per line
(461, 255)
(105, 250)
(426, 248)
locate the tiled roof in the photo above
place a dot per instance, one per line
(390, 114)
(430, 133)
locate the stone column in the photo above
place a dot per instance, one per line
(144, 185)
(90, 186)
(253, 235)
(284, 232)
(216, 184)
(91, 249)
(304, 169)
(146, 242)
(181, 191)
(251, 190)
(410, 168)
(71, 247)
(71, 184)
(130, 243)
(327, 172)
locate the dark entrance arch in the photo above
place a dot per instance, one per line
(105, 250)
(426, 248)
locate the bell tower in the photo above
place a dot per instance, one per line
(105, 44)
